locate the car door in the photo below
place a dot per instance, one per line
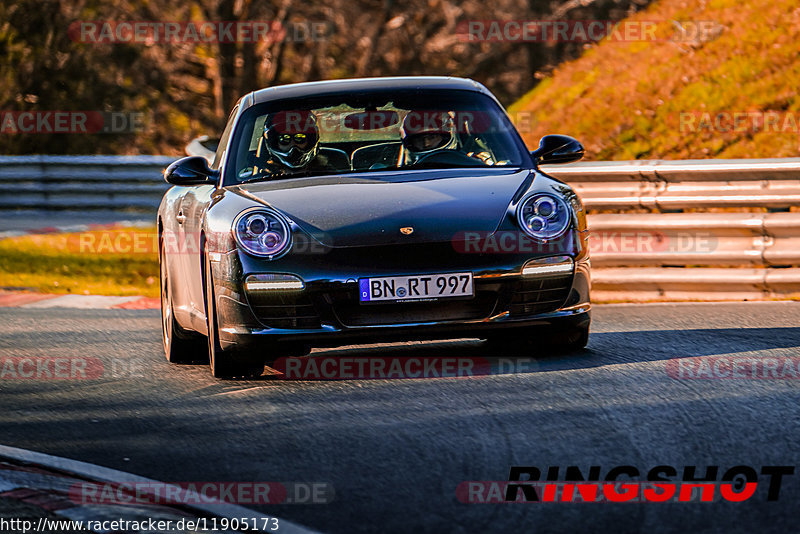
(174, 238)
(194, 206)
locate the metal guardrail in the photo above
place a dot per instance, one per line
(125, 182)
(684, 184)
(701, 239)
(695, 256)
(658, 247)
(120, 183)
(654, 245)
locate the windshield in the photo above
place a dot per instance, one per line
(378, 131)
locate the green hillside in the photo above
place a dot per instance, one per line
(726, 87)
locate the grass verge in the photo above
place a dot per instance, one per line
(676, 96)
(120, 261)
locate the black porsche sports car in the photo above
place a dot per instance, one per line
(358, 211)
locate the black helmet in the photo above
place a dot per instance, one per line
(424, 132)
(292, 137)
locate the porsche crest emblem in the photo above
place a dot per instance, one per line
(407, 230)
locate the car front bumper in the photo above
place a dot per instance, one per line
(327, 311)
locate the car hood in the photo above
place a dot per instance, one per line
(370, 209)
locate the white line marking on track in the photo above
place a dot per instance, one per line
(104, 474)
(80, 301)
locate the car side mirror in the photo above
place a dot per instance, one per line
(557, 149)
(191, 170)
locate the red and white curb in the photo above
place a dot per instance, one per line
(18, 299)
(42, 480)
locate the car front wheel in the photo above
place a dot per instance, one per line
(180, 346)
(571, 339)
(535, 340)
(224, 363)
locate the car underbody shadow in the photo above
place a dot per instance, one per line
(465, 358)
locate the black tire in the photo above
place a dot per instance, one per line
(571, 340)
(294, 350)
(180, 346)
(223, 363)
(535, 341)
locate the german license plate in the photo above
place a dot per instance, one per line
(420, 287)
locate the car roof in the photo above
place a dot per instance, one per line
(361, 85)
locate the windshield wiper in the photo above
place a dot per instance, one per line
(299, 174)
(439, 165)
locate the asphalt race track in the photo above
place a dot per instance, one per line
(395, 451)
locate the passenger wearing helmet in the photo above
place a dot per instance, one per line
(433, 135)
(425, 133)
(290, 143)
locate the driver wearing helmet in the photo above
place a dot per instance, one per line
(426, 133)
(290, 143)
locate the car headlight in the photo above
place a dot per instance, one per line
(262, 232)
(543, 216)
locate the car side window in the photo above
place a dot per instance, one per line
(223, 142)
